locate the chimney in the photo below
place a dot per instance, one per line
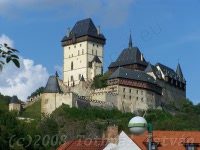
(98, 30)
(142, 57)
(68, 32)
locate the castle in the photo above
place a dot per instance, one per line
(134, 84)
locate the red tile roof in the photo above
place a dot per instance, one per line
(169, 140)
(84, 144)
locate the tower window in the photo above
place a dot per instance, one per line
(92, 51)
(79, 76)
(93, 45)
(72, 78)
(82, 51)
(78, 52)
(69, 47)
(74, 46)
(72, 65)
(97, 45)
(96, 52)
(80, 45)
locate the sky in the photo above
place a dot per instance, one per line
(166, 31)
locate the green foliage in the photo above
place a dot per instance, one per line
(37, 92)
(7, 55)
(4, 102)
(33, 111)
(100, 81)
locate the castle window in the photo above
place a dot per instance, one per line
(137, 92)
(124, 96)
(78, 52)
(97, 45)
(93, 45)
(141, 99)
(80, 45)
(136, 98)
(72, 55)
(72, 78)
(69, 56)
(72, 65)
(141, 92)
(129, 90)
(129, 97)
(79, 76)
(82, 51)
(92, 51)
(74, 46)
(69, 47)
(96, 52)
(124, 89)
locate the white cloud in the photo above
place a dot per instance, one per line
(24, 80)
(7, 40)
(110, 12)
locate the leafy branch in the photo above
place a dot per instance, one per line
(8, 55)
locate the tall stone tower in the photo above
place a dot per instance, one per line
(83, 52)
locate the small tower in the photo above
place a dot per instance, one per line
(15, 104)
(81, 46)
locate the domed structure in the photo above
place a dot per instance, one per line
(137, 125)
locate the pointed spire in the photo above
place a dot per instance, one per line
(179, 71)
(56, 74)
(130, 41)
(82, 79)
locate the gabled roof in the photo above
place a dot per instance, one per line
(14, 100)
(83, 28)
(84, 144)
(169, 140)
(132, 74)
(131, 55)
(52, 85)
(152, 68)
(96, 59)
(171, 73)
(166, 70)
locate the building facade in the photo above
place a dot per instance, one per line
(134, 83)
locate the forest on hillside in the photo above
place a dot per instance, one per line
(66, 124)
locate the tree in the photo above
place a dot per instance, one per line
(7, 55)
(100, 81)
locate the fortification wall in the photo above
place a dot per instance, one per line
(171, 93)
(51, 101)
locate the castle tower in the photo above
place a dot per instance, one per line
(15, 104)
(83, 52)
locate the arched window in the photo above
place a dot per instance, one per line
(72, 66)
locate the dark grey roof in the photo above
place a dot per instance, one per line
(131, 55)
(82, 28)
(179, 71)
(171, 73)
(152, 68)
(15, 100)
(96, 59)
(132, 74)
(166, 70)
(82, 78)
(52, 85)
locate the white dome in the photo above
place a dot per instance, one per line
(137, 125)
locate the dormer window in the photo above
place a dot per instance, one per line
(191, 147)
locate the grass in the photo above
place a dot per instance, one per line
(33, 111)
